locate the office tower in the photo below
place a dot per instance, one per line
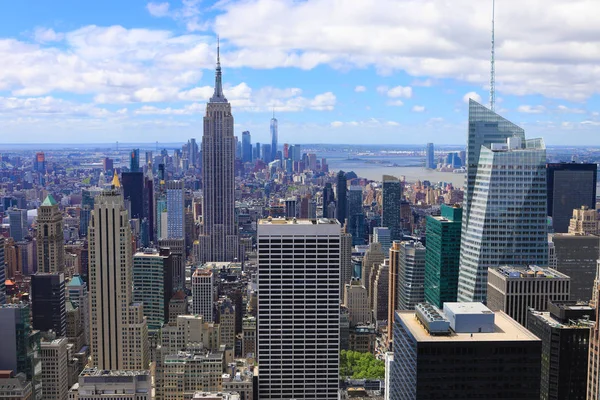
(153, 284)
(274, 137)
(593, 377)
(374, 256)
(345, 260)
(48, 302)
(97, 384)
(356, 300)
(565, 333)
(266, 153)
(443, 255)
(3, 274)
(193, 152)
(219, 240)
(161, 217)
(256, 153)
(298, 309)
(20, 344)
(304, 206)
(39, 162)
(134, 160)
(18, 223)
(411, 275)
(246, 147)
(391, 199)
(133, 191)
(50, 242)
(78, 296)
(584, 221)
(380, 291)
(382, 236)
(175, 209)
(356, 216)
(148, 211)
(119, 333)
(569, 186)
(15, 386)
(515, 289)
(576, 257)
(203, 293)
(506, 221)
(249, 337)
(226, 315)
(491, 355)
(429, 157)
(187, 373)
(290, 207)
(55, 368)
(328, 198)
(177, 249)
(341, 209)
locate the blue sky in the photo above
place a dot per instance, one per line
(335, 71)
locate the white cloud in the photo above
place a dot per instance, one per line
(567, 110)
(472, 95)
(418, 108)
(337, 124)
(360, 89)
(400, 91)
(45, 35)
(158, 9)
(397, 103)
(531, 109)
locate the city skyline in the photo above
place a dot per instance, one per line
(145, 71)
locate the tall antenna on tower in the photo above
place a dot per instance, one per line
(493, 67)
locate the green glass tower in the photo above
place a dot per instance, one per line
(443, 255)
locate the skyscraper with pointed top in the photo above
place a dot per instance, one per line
(274, 136)
(219, 239)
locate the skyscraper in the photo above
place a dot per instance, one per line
(2, 272)
(17, 219)
(50, 241)
(430, 158)
(411, 275)
(175, 210)
(506, 218)
(443, 255)
(48, 302)
(392, 198)
(203, 293)
(328, 198)
(274, 137)
(153, 285)
(569, 186)
(341, 210)
(298, 309)
(134, 160)
(382, 236)
(246, 147)
(219, 240)
(356, 216)
(133, 191)
(119, 333)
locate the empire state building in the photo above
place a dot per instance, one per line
(219, 239)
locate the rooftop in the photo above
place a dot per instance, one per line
(531, 271)
(103, 372)
(546, 317)
(297, 221)
(49, 201)
(505, 329)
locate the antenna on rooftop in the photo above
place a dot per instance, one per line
(493, 67)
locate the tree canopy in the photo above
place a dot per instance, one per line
(357, 365)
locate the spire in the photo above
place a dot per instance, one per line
(218, 96)
(115, 182)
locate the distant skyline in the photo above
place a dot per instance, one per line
(399, 73)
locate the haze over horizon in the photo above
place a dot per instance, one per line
(399, 73)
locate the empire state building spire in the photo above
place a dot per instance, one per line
(218, 96)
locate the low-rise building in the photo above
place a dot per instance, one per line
(95, 384)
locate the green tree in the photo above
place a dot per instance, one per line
(360, 365)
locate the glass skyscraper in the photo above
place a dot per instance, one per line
(274, 137)
(430, 158)
(356, 216)
(392, 197)
(506, 221)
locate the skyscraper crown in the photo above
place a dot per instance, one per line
(218, 96)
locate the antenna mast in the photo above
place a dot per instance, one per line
(493, 67)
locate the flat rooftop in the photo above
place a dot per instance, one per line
(506, 329)
(532, 271)
(575, 324)
(467, 308)
(298, 221)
